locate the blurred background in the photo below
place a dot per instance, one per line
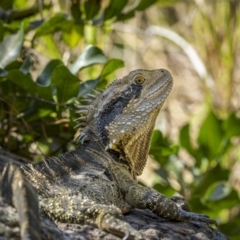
(53, 53)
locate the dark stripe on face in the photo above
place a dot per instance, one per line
(114, 108)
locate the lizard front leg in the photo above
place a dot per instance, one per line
(79, 209)
(144, 197)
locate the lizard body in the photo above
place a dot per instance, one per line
(96, 183)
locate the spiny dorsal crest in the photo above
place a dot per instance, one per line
(91, 108)
(86, 111)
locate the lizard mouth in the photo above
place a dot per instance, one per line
(157, 92)
(161, 89)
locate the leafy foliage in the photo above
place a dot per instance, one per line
(37, 110)
(210, 191)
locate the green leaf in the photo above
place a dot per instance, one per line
(138, 6)
(73, 36)
(75, 10)
(25, 81)
(196, 204)
(26, 65)
(217, 191)
(66, 83)
(232, 126)
(13, 65)
(91, 8)
(50, 47)
(157, 138)
(143, 4)
(214, 175)
(89, 56)
(114, 8)
(166, 191)
(125, 16)
(1, 31)
(22, 80)
(3, 74)
(11, 47)
(44, 78)
(210, 136)
(220, 195)
(111, 66)
(45, 92)
(87, 87)
(57, 22)
(161, 148)
(167, 3)
(184, 138)
(6, 4)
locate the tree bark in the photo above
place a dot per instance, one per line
(151, 226)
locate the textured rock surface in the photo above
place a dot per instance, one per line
(152, 227)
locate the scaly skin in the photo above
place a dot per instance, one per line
(96, 183)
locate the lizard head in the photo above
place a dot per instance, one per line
(124, 115)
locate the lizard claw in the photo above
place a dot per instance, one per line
(82, 138)
(127, 234)
(189, 216)
(116, 226)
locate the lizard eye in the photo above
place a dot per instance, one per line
(139, 79)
